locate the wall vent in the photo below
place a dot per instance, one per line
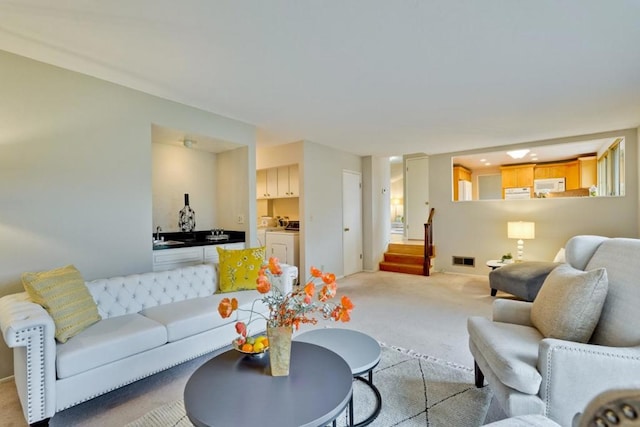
(464, 261)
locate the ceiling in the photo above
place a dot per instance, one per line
(372, 77)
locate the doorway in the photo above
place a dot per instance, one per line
(352, 222)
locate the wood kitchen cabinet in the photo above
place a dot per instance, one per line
(588, 171)
(267, 183)
(517, 176)
(460, 173)
(572, 179)
(288, 182)
(579, 173)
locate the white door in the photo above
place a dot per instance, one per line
(352, 222)
(417, 199)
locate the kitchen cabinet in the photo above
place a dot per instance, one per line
(588, 171)
(284, 245)
(517, 176)
(267, 183)
(460, 173)
(288, 182)
(167, 259)
(580, 173)
(572, 179)
(550, 170)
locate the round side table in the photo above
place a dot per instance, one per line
(359, 350)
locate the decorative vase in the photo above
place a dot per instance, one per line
(186, 217)
(279, 349)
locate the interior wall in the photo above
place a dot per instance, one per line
(179, 170)
(321, 212)
(236, 181)
(76, 172)
(376, 195)
(478, 229)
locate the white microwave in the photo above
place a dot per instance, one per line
(548, 185)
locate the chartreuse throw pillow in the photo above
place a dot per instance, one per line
(569, 303)
(63, 293)
(239, 268)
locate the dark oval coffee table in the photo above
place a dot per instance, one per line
(237, 390)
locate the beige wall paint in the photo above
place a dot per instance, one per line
(76, 172)
(180, 170)
(321, 212)
(376, 196)
(479, 228)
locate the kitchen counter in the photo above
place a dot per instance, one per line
(197, 238)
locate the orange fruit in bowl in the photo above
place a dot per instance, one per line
(247, 348)
(265, 342)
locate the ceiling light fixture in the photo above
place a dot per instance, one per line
(518, 154)
(189, 143)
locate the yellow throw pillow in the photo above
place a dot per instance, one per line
(239, 268)
(63, 293)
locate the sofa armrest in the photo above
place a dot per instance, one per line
(512, 311)
(582, 371)
(29, 330)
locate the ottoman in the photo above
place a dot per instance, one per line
(522, 279)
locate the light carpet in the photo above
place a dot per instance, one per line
(417, 390)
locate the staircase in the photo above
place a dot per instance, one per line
(402, 258)
(412, 259)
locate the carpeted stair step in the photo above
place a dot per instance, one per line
(401, 268)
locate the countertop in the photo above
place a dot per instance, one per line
(197, 238)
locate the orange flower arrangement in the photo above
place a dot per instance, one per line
(293, 308)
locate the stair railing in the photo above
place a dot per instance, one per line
(428, 243)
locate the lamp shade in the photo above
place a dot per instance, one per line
(521, 230)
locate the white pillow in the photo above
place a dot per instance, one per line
(560, 256)
(569, 303)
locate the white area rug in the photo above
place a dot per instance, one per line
(417, 390)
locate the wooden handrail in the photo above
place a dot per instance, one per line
(428, 243)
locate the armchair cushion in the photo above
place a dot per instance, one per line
(569, 303)
(510, 350)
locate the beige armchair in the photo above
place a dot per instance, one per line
(533, 371)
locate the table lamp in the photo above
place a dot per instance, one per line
(521, 230)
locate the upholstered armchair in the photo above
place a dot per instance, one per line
(578, 338)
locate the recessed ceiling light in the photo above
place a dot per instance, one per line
(518, 154)
(487, 164)
(483, 160)
(534, 159)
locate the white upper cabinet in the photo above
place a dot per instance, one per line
(288, 185)
(280, 182)
(267, 183)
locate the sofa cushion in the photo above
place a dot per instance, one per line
(63, 293)
(569, 303)
(107, 341)
(185, 318)
(510, 350)
(239, 268)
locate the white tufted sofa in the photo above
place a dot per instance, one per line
(150, 322)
